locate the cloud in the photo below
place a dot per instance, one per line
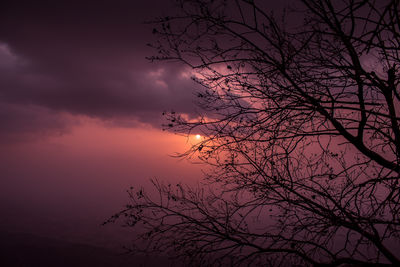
(27, 122)
(85, 59)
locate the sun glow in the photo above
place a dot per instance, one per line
(198, 136)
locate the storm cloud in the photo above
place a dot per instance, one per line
(84, 58)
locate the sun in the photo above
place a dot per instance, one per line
(198, 136)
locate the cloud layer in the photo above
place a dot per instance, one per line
(84, 59)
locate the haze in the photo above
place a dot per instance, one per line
(80, 115)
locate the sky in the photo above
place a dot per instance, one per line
(81, 113)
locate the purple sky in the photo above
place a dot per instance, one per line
(80, 114)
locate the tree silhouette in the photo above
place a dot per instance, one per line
(300, 124)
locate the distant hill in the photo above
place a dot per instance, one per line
(27, 250)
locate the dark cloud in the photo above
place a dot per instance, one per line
(86, 58)
(22, 123)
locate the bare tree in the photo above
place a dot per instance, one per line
(301, 128)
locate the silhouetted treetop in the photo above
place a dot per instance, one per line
(300, 118)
